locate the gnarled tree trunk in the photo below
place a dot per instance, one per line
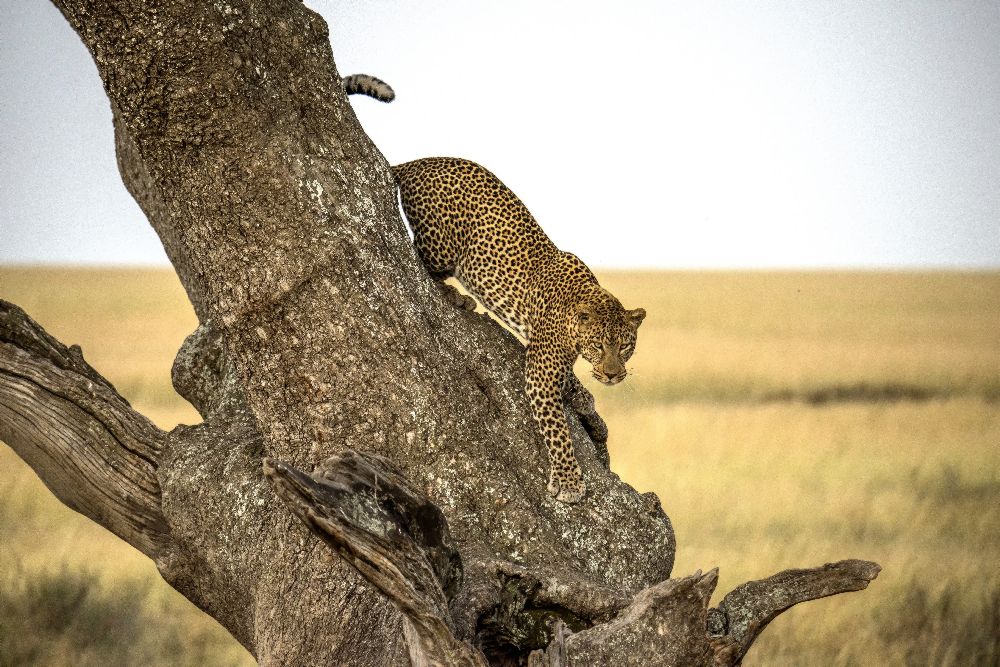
(338, 387)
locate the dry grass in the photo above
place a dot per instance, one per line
(756, 335)
(785, 419)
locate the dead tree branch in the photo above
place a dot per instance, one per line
(745, 612)
(66, 421)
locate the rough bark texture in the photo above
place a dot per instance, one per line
(321, 334)
(394, 537)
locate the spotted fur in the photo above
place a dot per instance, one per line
(468, 224)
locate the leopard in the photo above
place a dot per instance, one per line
(468, 225)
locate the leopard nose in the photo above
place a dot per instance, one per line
(610, 379)
(618, 377)
(613, 369)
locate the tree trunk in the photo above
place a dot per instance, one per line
(391, 423)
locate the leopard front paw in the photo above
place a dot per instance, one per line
(572, 496)
(567, 490)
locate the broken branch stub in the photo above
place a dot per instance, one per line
(664, 625)
(363, 507)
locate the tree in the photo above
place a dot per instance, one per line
(340, 394)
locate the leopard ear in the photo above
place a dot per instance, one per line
(584, 313)
(636, 317)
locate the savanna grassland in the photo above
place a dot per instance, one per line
(784, 419)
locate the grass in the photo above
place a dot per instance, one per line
(756, 336)
(784, 419)
(71, 615)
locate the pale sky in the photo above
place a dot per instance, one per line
(654, 134)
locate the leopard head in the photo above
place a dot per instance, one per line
(605, 334)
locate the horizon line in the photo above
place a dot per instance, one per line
(824, 268)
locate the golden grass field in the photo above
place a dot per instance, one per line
(785, 419)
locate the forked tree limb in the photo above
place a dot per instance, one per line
(746, 610)
(93, 451)
(669, 624)
(664, 625)
(364, 508)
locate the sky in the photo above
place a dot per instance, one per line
(699, 134)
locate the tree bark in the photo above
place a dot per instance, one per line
(320, 335)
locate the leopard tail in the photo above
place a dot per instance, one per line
(366, 84)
